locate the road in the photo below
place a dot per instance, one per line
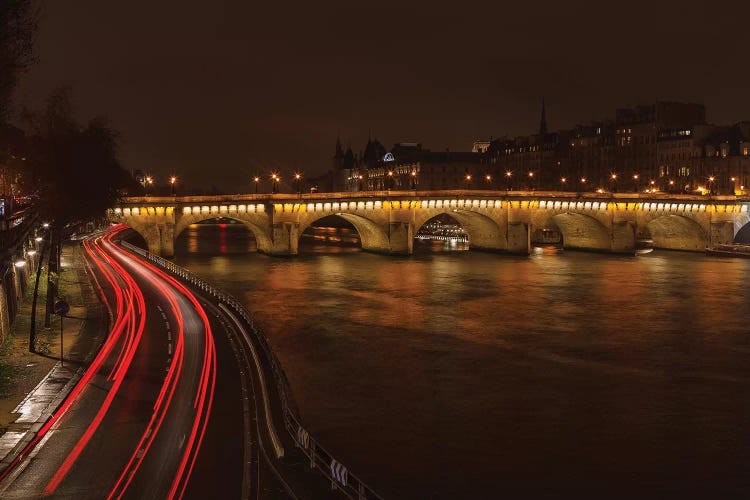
(174, 404)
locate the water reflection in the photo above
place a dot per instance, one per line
(475, 375)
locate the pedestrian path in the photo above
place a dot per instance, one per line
(83, 330)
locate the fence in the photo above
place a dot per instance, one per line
(319, 458)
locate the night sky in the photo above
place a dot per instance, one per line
(215, 91)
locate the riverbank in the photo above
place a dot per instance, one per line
(32, 384)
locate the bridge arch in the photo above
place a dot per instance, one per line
(261, 236)
(151, 234)
(581, 231)
(371, 234)
(676, 232)
(742, 230)
(483, 231)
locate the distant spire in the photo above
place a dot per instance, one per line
(543, 122)
(339, 149)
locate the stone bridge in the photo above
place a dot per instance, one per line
(500, 221)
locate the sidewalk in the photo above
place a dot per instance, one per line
(32, 386)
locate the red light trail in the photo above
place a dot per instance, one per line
(122, 272)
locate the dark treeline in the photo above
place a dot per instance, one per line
(66, 170)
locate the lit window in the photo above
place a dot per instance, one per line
(745, 151)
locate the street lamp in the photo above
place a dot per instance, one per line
(256, 180)
(711, 185)
(468, 180)
(531, 180)
(613, 186)
(508, 175)
(173, 181)
(636, 183)
(298, 184)
(488, 178)
(390, 179)
(360, 177)
(275, 184)
(563, 180)
(414, 179)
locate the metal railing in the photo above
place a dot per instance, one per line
(319, 458)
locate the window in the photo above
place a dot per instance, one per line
(745, 151)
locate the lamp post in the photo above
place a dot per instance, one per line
(531, 180)
(671, 186)
(488, 178)
(636, 183)
(508, 175)
(711, 185)
(149, 183)
(172, 182)
(298, 182)
(468, 181)
(414, 179)
(275, 182)
(563, 182)
(582, 185)
(360, 177)
(256, 180)
(390, 179)
(613, 183)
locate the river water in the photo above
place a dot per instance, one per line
(454, 374)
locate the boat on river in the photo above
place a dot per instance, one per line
(732, 250)
(644, 246)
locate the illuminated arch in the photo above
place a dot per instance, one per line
(371, 234)
(742, 229)
(675, 232)
(262, 239)
(580, 231)
(482, 230)
(149, 232)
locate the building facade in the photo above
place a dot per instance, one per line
(661, 147)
